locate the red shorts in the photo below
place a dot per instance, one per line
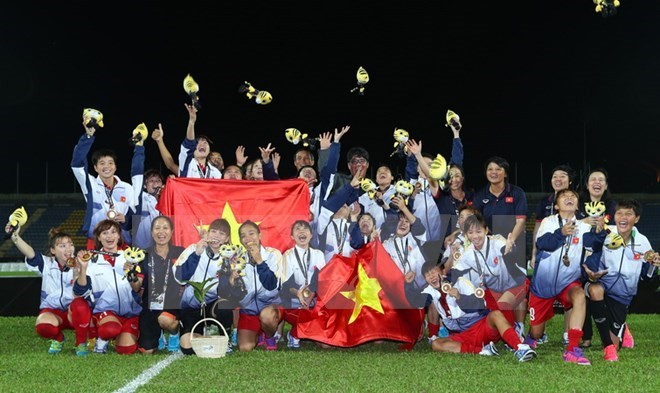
(129, 325)
(249, 322)
(62, 315)
(519, 293)
(478, 334)
(290, 315)
(541, 310)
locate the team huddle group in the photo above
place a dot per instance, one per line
(461, 253)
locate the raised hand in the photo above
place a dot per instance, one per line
(88, 130)
(241, 158)
(414, 148)
(276, 160)
(157, 134)
(192, 112)
(325, 140)
(341, 133)
(265, 153)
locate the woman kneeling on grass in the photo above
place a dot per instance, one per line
(58, 309)
(614, 273)
(112, 293)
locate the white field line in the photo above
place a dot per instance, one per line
(149, 373)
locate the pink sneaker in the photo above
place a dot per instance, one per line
(261, 340)
(610, 353)
(576, 356)
(271, 343)
(628, 340)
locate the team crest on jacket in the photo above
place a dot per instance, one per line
(508, 199)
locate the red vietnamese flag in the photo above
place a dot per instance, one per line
(274, 205)
(361, 298)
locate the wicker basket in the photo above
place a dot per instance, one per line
(210, 346)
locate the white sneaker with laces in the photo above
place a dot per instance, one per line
(489, 350)
(292, 341)
(432, 338)
(524, 353)
(101, 346)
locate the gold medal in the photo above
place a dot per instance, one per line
(649, 256)
(111, 214)
(565, 259)
(445, 287)
(479, 292)
(71, 262)
(306, 293)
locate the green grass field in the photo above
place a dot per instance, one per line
(26, 366)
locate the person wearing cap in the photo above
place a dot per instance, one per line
(194, 153)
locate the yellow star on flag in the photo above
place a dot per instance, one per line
(365, 294)
(228, 215)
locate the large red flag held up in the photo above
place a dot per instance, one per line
(361, 298)
(274, 205)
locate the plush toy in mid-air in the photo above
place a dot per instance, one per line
(607, 7)
(453, 119)
(367, 185)
(261, 97)
(362, 79)
(192, 88)
(92, 118)
(133, 256)
(401, 136)
(294, 136)
(139, 135)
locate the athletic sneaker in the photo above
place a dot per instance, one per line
(530, 341)
(101, 346)
(261, 340)
(628, 340)
(609, 353)
(271, 343)
(489, 350)
(234, 337)
(524, 353)
(443, 332)
(432, 338)
(55, 347)
(229, 348)
(292, 341)
(81, 349)
(564, 339)
(576, 356)
(520, 328)
(162, 341)
(543, 339)
(173, 343)
(278, 337)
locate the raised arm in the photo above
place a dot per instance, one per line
(157, 135)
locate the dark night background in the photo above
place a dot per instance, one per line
(539, 83)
